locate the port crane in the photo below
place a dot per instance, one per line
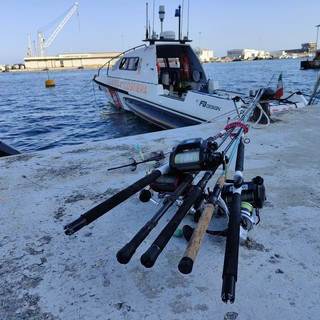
(45, 44)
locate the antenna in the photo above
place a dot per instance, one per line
(182, 13)
(317, 35)
(178, 14)
(188, 20)
(147, 33)
(161, 16)
(153, 20)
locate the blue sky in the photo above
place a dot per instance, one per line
(110, 25)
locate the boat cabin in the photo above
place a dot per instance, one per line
(179, 67)
(173, 64)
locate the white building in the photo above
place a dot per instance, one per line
(69, 61)
(247, 54)
(205, 55)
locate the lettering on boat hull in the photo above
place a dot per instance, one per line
(205, 104)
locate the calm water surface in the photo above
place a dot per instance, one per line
(34, 117)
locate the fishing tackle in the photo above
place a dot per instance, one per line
(156, 157)
(175, 182)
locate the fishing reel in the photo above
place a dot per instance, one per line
(252, 198)
(164, 185)
(191, 155)
(168, 182)
(253, 192)
(195, 155)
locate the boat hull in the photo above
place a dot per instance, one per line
(168, 111)
(165, 84)
(310, 64)
(159, 116)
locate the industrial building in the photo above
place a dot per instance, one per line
(251, 54)
(247, 54)
(205, 55)
(69, 61)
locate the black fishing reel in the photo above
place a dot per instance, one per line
(252, 198)
(165, 184)
(168, 182)
(195, 155)
(253, 192)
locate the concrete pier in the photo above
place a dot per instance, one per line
(48, 275)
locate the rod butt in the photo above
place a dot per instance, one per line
(228, 289)
(185, 265)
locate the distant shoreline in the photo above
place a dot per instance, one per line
(53, 69)
(94, 67)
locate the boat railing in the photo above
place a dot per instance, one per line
(315, 92)
(117, 57)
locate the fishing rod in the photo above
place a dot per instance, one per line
(175, 182)
(123, 195)
(125, 254)
(112, 202)
(186, 263)
(230, 268)
(150, 256)
(157, 157)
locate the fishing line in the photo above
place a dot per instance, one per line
(45, 185)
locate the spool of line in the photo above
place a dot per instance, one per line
(246, 214)
(187, 157)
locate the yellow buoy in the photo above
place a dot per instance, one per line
(50, 83)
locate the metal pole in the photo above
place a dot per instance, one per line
(179, 22)
(317, 36)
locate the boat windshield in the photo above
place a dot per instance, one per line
(130, 63)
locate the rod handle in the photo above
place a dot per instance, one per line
(75, 225)
(228, 288)
(149, 258)
(125, 254)
(113, 201)
(186, 263)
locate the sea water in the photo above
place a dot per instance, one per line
(75, 111)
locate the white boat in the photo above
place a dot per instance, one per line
(164, 83)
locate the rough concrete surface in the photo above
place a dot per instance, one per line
(48, 275)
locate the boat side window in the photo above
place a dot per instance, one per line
(123, 63)
(161, 63)
(174, 63)
(130, 63)
(133, 63)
